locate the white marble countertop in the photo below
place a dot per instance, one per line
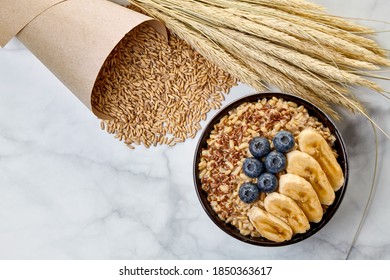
(71, 191)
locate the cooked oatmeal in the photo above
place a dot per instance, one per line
(220, 166)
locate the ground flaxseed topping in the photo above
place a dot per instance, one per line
(221, 161)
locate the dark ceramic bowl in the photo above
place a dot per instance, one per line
(314, 227)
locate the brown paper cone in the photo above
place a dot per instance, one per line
(16, 14)
(73, 39)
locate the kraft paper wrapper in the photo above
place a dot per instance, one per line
(16, 14)
(73, 38)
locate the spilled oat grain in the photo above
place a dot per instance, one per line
(157, 92)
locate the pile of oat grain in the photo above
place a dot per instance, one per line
(157, 92)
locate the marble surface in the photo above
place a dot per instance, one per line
(70, 191)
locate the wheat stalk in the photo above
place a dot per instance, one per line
(301, 27)
(272, 30)
(256, 12)
(308, 33)
(211, 51)
(253, 43)
(292, 44)
(300, 4)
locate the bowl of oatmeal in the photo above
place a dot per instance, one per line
(303, 194)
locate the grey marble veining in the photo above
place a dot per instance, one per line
(70, 191)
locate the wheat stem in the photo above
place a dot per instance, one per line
(291, 44)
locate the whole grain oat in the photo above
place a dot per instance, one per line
(220, 165)
(157, 92)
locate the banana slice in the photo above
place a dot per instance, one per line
(304, 165)
(303, 194)
(286, 209)
(312, 143)
(269, 226)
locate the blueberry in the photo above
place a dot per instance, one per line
(275, 162)
(259, 147)
(248, 192)
(284, 141)
(252, 167)
(267, 182)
